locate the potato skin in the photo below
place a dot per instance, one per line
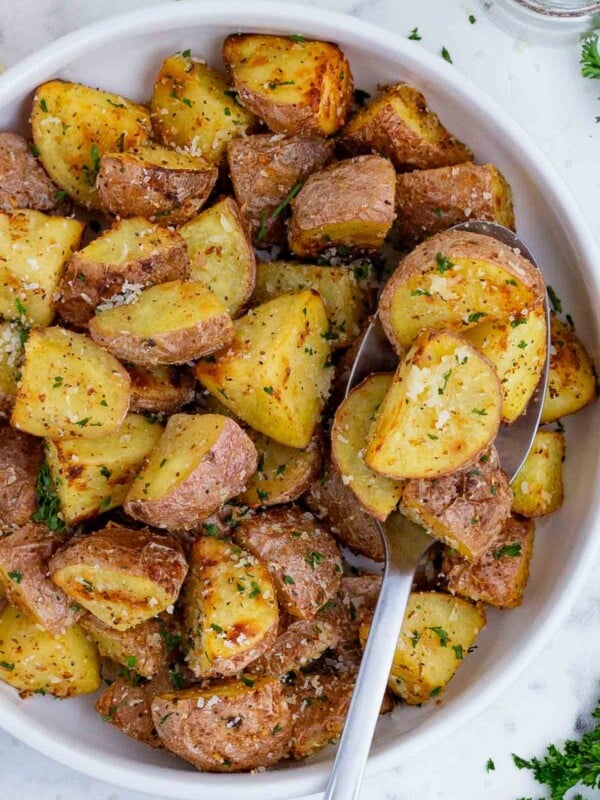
(264, 168)
(399, 125)
(466, 508)
(220, 475)
(303, 558)
(129, 185)
(349, 203)
(127, 707)
(87, 283)
(500, 575)
(136, 554)
(332, 501)
(200, 725)
(261, 66)
(141, 649)
(24, 556)
(432, 200)
(301, 642)
(159, 390)
(21, 457)
(23, 181)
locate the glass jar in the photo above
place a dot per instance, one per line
(548, 22)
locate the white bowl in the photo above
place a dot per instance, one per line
(123, 54)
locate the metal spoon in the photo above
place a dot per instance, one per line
(405, 545)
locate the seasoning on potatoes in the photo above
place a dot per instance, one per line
(114, 268)
(275, 374)
(538, 485)
(123, 576)
(432, 200)
(200, 462)
(92, 476)
(467, 508)
(302, 557)
(12, 335)
(221, 254)
(441, 411)
(159, 390)
(21, 457)
(349, 204)
(154, 182)
(456, 280)
(34, 249)
(296, 647)
(230, 607)
(399, 125)
(266, 171)
(141, 649)
(69, 387)
(500, 575)
(227, 726)
(74, 125)
(295, 85)
(36, 661)
(193, 110)
(171, 323)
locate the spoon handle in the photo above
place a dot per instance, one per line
(402, 556)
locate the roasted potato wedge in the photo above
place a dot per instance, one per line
(572, 381)
(172, 323)
(281, 395)
(34, 249)
(332, 501)
(319, 704)
(443, 385)
(115, 267)
(69, 387)
(92, 476)
(196, 724)
(293, 86)
(121, 575)
(283, 473)
(33, 660)
(302, 642)
(538, 485)
(21, 457)
(127, 706)
(437, 633)
(455, 280)
(399, 125)
(11, 354)
(349, 204)
(141, 649)
(221, 254)
(23, 182)
(303, 558)
(193, 110)
(74, 125)
(159, 390)
(353, 419)
(517, 349)
(345, 292)
(200, 462)
(432, 200)
(24, 556)
(467, 509)
(264, 170)
(230, 609)
(154, 182)
(500, 575)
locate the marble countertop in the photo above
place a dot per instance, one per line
(542, 89)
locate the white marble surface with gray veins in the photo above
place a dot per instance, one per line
(543, 90)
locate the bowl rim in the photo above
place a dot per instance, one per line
(286, 17)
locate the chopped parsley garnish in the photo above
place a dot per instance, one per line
(472, 19)
(16, 575)
(287, 199)
(177, 679)
(35, 150)
(482, 412)
(522, 344)
(590, 56)
(446, 55)
(442, 635)
(211, 529)
(105, 502)
(420, 293)
(442, 263)
(48, 505)
(91, 173)
(414, 35)
(268, 389)
(490, 766)
(276, 729)
(458, 651)
(513, 550)
(435, 692)
(277, 84)
(57, 381)
(314, 558)
(262, 230)
(514, 323)
(445, 379)
(247, 681)
(297, 37)
(288, 579)
(87, 585)
(280, 469)
(255, 590)
(116, 105)
(433, 437)
(172, 640)
(216, 628)
(554, 299)
(415, 638)
(44, 106)
(7, 665)
(227, 111)
(475, 316)
(131, 661)
(186, 53)
(105, 472)
(60, 195)
(262, 495)
(82, 422)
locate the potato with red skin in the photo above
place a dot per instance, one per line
(23, 181)
(200, 462)
(141, 649)
(21, 457)
(200, 724)
(398, 124)
(301, 555)
(301, 642)
(121, 575)
(264, 169)
(159, 390)
(24, 557)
